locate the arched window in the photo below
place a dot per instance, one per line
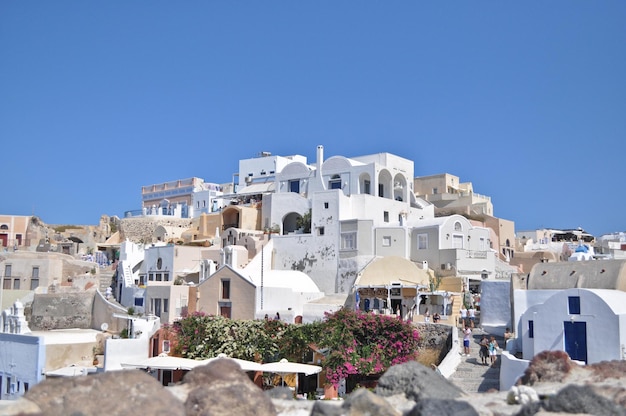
(4, 227)
(457, 226)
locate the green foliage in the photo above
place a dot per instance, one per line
(204, 336)
(131, 310)
(304, 222)
(358, 342)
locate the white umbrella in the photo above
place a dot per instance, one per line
(243, 364)
(165, 363)
(287, 367)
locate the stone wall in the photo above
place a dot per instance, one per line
(61, 310)
(141, 229)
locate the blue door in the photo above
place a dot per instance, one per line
(576, 340)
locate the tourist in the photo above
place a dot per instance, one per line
(463, 316)
(467, 334)
(436, 317)
(484, 349)
(471, 315)
(427, 315)
(493, 349)
(508, 335)
(277, 317)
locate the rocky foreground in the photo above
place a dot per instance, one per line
(552, 385)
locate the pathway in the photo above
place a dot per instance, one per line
(471, 375)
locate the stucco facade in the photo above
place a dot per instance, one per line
(227, 293)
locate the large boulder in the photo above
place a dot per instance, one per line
(113, 393)
(222, 388)
(416, 382)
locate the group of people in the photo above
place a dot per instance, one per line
(468, 317)
(488, 346)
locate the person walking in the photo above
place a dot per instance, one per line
(484, 349)
(463, 319)
(493, 349)
(467, 334)
(471, 315)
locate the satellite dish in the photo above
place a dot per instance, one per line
(104, 326)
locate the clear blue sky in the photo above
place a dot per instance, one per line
(526, 100)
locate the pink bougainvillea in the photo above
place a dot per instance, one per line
(366, 344)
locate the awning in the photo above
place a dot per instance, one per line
(165, 363)
(257, 188)
(71, 371)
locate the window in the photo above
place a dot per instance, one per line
(6, 284)
(159, 277)
(225, 289)
(348, 241)
(156, 306)
(386, 241)
(166, 305)
(573, 305)
(139, 302)
(422, 241)
(325, 205)
(7, 270)
(381, 190)
(482, 246)
(35, 273)
(294, 186)
(457, 226)
(366, 187)
(166, 345)
(320, 230)
(335, 182)
(457, 241)
(386, 216)
(16, 284)
(166, 277)
(435, 191)
(531, 329)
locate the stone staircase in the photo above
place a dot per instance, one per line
(471, 375)
(105, 280)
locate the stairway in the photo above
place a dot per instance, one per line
(471, 375)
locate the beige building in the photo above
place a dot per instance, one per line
(227, 293)
(14, 231)
(450, 196)
(30, 270)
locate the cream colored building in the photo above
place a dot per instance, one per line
(450, 196)
(14, 231)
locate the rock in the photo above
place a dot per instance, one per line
(522, 395)
(417, 382)
(427, 407)
(364, 402)
(582, 399)
(221, 388)
(282, 393)
(21, 407)
(548, 366)
(114, 393)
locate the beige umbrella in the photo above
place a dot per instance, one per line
(245, 365)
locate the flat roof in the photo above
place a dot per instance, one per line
(67, 336)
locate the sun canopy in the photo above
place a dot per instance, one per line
(243, 364)
(165, 363)
(286, 367)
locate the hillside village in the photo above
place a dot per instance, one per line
(295, 238)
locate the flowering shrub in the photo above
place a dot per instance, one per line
(204, 336)
(359, 343)
(366, 344)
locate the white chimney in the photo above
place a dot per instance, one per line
(320, 156)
